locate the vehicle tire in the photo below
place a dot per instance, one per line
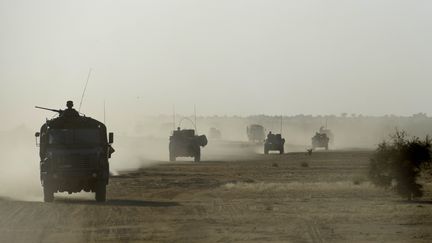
(171, 150)
(100, 192)
(172, 157)
(281, 151)
(48, 194)
(266, 151)
(197, 157)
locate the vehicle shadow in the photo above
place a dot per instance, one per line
(119, 202)
(425, 202)
(418, 201)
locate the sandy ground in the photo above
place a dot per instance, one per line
(254, 198)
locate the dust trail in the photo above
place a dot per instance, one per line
(137, 152)
(19, 162)
(19, 166)
(349, 131)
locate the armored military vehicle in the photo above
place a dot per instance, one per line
(74, 152)
(255, 133)
(274, 142)
(184, 143)
(215, 133)
(329, 134)
(320, 140)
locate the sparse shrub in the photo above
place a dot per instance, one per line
(397, 164)
(304, 164)
(248, 180)
(357, 180)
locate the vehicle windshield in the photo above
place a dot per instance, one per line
(74, 137)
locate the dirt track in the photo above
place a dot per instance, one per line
(256, 199)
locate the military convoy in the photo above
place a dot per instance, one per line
(74, 152)
(255, 133)
(274, 142)
(184, 143)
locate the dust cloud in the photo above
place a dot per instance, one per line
(133, 152)
(145, 143)
(19, 165)
(350, 131)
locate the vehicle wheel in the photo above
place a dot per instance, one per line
(48, 194)
(197, 157)
(100, 192)
(281, 151)
(172, 157)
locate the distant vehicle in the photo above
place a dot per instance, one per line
(320, 140)
(184, 143)
(74, 152)
(329, 134)
(215, 133)
(255, 133)
(274, 142)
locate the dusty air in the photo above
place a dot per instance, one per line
(215, 121)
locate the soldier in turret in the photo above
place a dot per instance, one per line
(70, 111)
(269, 134)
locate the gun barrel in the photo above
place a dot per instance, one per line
(43, 108)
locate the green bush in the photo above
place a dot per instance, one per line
(396, 164)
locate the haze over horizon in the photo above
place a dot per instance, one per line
(227, 57)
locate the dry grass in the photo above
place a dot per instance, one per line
(298, 186)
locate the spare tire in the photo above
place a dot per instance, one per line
(202, 140)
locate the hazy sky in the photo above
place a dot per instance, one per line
(228, 57)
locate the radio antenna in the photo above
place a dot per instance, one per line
(196, 127)
(85, 88)
(281, 124)
(174, 118)
(104, 113)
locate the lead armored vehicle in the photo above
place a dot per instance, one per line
(255, 133)
(74, 153)
(274, 142)
(320, 140)
(184, 143)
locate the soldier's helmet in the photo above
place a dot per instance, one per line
(69, 104)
